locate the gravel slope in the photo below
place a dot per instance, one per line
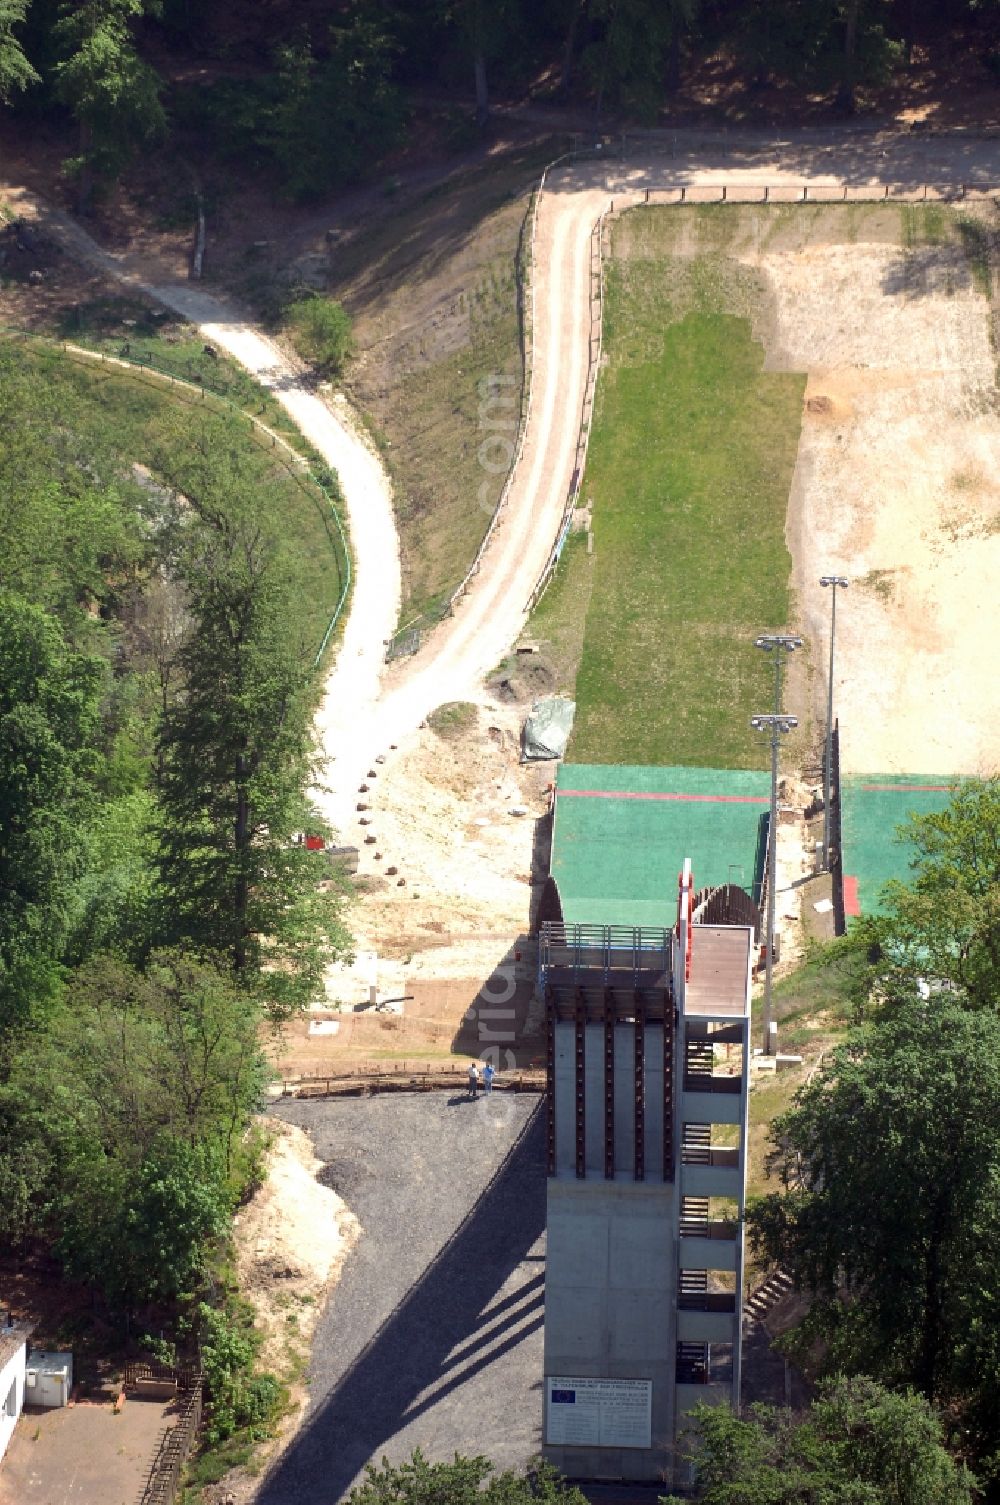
(432, 1337)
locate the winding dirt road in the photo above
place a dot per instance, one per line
(367, 708)
(451, 665)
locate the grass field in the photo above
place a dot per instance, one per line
(127, 326)
(692, 467)
(433, 290)
(689, 469)
(151, 425)
(813, 1009)
(560, 618)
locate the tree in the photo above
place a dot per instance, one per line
(16, 73)
(891, 1441)
(867, 55)
(944, 925)
(635, 44)
(110, 905)
(236, 746)
(169, 1051)
(465, 1481)
(49, 710)
(322, 116)
(72, 521)
(128, 1111)
(891, 1215)
(777, 40)
(482, 28)
(321, 328)
(140, 1234)
(113, 92)
(858, 1444)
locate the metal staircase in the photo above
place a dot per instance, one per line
(699, 1064)
(694, 1217)
(692, 1289)
(696, 1145)
(692, 1364)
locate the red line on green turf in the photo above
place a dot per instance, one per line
(621, 794)
(852, 902)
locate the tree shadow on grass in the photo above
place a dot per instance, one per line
(439, 1338)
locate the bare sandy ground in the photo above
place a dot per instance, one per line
(291, 1241)
(365, 710)
(895, 488)
(894, 481)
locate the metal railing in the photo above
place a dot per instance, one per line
(176, 1442)
(605, 949)
(818, 193)
(837, 834)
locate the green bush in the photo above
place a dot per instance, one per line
(239, 1400)
(321, 332)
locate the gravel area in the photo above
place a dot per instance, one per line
(433, 1336)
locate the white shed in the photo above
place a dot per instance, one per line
(13, 1359)
(48, 1378)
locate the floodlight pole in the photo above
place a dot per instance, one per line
(779, 644)
(843, 582)
(777, 725)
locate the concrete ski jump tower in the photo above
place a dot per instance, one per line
(647, 1071)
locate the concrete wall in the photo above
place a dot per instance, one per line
(12, 1374)
(609, 1286)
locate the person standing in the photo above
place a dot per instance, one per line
(473, 1080)
(488, 1075)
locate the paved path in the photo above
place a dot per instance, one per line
(432, 1337)
(83, 1454)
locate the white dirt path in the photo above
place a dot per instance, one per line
(451, 665)
(487, 621)
(354, 684)
(365, 710)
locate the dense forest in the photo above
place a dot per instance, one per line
(316, 92)
(158, 641)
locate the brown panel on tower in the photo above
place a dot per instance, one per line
(669, 1156)
(640, 1106)
(609, 1084)
(550, 1081)
(581, 1084)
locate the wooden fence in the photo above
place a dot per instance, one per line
(406, 1076)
